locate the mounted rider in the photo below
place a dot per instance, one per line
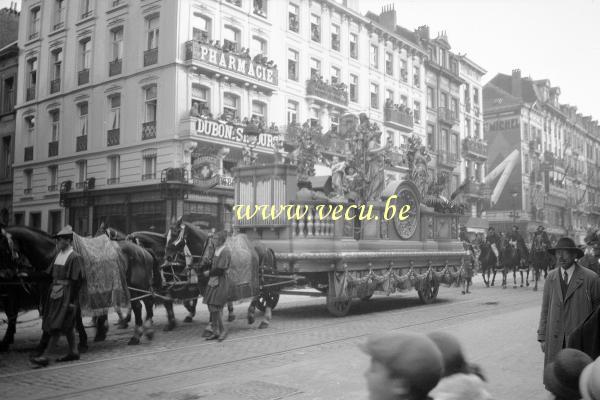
(515, 236)
(541, 241)
(493, 240)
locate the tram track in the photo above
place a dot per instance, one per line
(440, 310)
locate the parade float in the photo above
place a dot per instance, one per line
(374, 225)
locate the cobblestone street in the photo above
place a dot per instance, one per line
(304, 354)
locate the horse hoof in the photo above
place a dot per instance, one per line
(82, 347)
(527, 284)
(150, 335)
(188, 319)
(170, 326)
(263, 325)
(251, 319)
(231, 318)
(133, 341)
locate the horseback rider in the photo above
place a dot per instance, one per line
(516, 237)
(543, 241)
(494, 242)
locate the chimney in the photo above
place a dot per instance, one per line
(387, 18)
(515, 88)
(423, 32)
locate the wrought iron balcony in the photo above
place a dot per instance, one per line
(399, 119)
(59, 25)
(447, 116)
(34, 35)
(475, 189)
(83, 77)
(30, 94)
(114, 67)
(149, 130)
(112, 181)
(447, 159)
(53, 149)
(335, 95)
(475, 147)
(55, 85)
(147, 177)
(81, 185)
(28, 153)
(53, 188)
(81, 143)
(113, 137)
(150, 56)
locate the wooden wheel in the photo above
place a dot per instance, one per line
(270, 298)
(338, 307)
(429, 293)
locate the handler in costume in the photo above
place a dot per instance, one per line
(217, 291)
(63, 300)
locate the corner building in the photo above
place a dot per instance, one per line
(131, 112)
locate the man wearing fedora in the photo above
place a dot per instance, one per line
(62, 302)
(571, 293)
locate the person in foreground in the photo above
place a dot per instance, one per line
(571, 293)
(62, 302)
(589, 381)
(562, 375)
(404, 366)
(461, 380)
(217, 291)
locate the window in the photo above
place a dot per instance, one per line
(152, 33)
(114, 169)
(260, 8)
(55, 120)
(430, 97)
(403, 70)
(150, 103)
(201, 96)
(30, 126)
(444, 100)
(354, 45)
(116, 38)
(374, 96)
(374, 56)
(6, 157)
(476, 131)
(334, 119)
(81, 170)
(231, 37)
(454, 107)
(259, 110)
(389, 63)
(404, 100)
(430, 137)
(354, 88)
(231, 105)
(27, 177)
(259, 46)
(454, 146)
(59, 14)
(83, 118)
(468, 127)
(417, 112)
(149, 167)
(293, 20)
(56, 72)
(444, 140)
(476, 97)
(54, 222)
(292, 65)
(526, 162)
(315, 28)
(32, 66)
(8, 94)
(292, 112)
(19, 219)
(85, 54)
(314, 117)
(114, 118)
(52, 178)
(35, 220)
(335, 37)
(86, 8)
(315, 67)
(389, 95)
(416, 76)
(34, 23)
(335, 75)
(202, 29)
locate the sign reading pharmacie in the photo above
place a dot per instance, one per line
(232, 133)
(234, 63)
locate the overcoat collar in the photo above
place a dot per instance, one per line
(576, 281)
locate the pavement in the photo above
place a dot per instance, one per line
(304, 354)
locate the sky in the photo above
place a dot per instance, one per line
(545, 39)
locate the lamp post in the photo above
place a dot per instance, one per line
(514, 214)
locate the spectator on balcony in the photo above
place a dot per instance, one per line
(389, 103)
(194, 112)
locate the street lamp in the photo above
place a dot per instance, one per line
(514, 214)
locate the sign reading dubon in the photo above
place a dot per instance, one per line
(233, 133)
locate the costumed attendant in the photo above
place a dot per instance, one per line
(63, 300)
(217, 291)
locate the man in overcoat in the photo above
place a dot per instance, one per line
(571, 293)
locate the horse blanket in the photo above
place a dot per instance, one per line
(104, 272)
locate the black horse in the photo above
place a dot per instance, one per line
(488, 262)
(510, 260)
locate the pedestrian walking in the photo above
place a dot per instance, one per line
(62, 303)
(403, 366)
(589, 381)
(217, 291)
(563, 374)
(571, 293)
(590, 260)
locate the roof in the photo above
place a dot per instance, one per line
(494, 98)
(473, 65)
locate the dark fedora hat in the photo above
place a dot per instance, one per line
(541, 227)
(562, 375)
(566, 243)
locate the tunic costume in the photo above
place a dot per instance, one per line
(217, 290)
(66, 278)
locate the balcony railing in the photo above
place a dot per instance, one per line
(53, 188)
(475, 147)
(28, 153)
(113, 137)
(30, 94)
(146, 177)
(114, 67)
(476, 189)
(81, 143)
(336, 94)
(112, 181)
(55, 85)
(53, 149)
(149, 130)
(447, 115)
(448, 159)
(150, 56)
(401, 119)
(34, 35)
(59, 25)
(81, 185)
(83, 77)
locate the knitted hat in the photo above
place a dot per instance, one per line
(409, 356)
(589, 381)
(562, 375)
